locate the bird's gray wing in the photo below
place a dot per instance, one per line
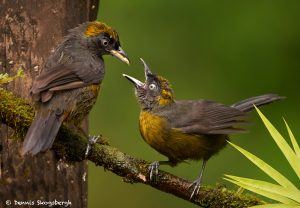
(205, 117)
(66, 76)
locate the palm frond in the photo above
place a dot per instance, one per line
(285, 191)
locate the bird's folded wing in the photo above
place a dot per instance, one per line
(206, 117)
(63, 77)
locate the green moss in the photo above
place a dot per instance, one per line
(15, 112)
(4, 78)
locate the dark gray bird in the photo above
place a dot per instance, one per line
(68, 86)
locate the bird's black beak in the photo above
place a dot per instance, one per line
(120, 54)
(137, 83)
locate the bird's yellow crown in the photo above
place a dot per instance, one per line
(95, 28)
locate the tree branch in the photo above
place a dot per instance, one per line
(70, 145)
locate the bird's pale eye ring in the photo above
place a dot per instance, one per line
(104, 42)
(152, 86)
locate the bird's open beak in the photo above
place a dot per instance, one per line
(120, 54)
(146, 69)
(136, 82)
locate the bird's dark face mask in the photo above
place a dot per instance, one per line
(154, 92)
(104, 40)
(105, 44)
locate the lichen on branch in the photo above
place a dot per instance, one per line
(5, 78)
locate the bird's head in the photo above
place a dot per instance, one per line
(99, 38)
(154, 92)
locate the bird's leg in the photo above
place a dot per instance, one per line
(153, 168)
(197, 182)
(92, 140)
(79, 130)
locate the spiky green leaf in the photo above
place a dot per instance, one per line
(293, 139)
(275, 197)
(282, 144)
(277, 176)
(269, 187)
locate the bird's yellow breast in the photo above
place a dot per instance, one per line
(174, 143)
(152, 128)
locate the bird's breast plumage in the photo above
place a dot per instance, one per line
(175, 144)
(82, 102)
(153, 129)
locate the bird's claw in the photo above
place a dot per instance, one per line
(197, 185)
(92, 140)
(153, 169)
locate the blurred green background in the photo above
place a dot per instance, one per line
(218, 50)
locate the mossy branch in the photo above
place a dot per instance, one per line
(18, 114)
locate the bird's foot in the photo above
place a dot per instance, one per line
(92, 140)
(153, 170)
(197, 185)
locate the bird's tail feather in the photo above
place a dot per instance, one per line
(42, 132)
(248, 104)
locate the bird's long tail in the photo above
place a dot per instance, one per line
(42, 132)
(248, 104)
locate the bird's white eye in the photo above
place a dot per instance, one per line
(152, 86)
(104, 42)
